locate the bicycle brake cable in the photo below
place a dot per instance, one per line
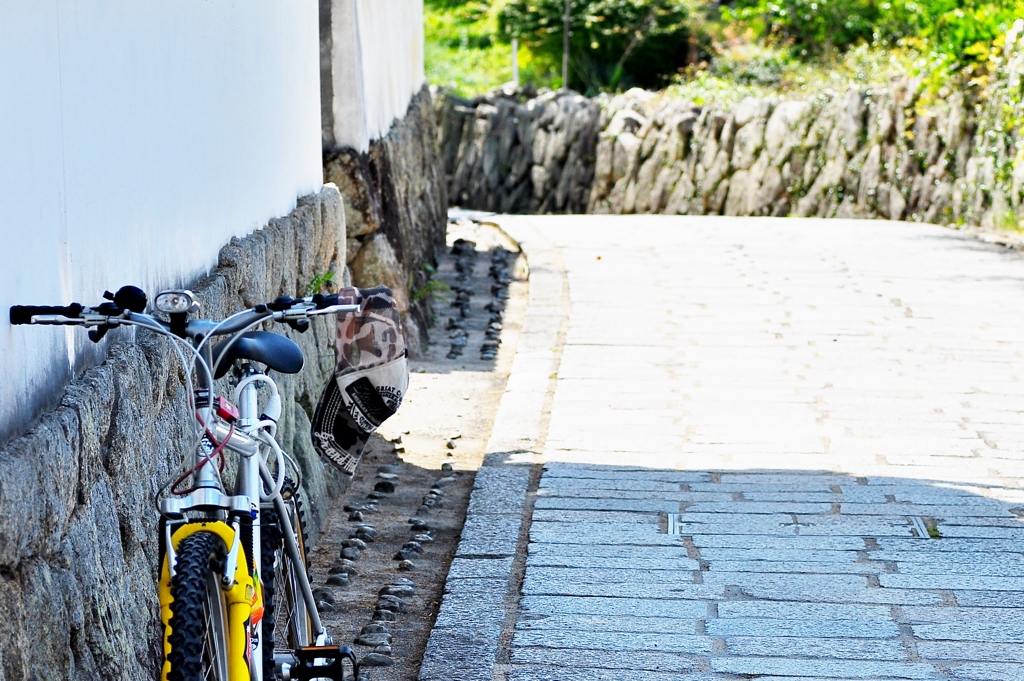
(218, 449)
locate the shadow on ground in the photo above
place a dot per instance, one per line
(768, 574)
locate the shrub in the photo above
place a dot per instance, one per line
(958, 29)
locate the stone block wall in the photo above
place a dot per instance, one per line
(896, 152)
(78, 525)
(504, 154)
(396, 207)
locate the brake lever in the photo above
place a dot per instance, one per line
(96, 334)
(300, 325)
(100, 323)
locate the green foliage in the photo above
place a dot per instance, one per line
(812, 25)
(752, 65)
(460, 25)
(460, 50)
(435, 289)
(966, 33)
(961, 30)
(752, 70)
(321, 282)
(613, 43)
(714, 50)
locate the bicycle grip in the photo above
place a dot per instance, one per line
(22, 314)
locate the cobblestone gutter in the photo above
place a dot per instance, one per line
(78, 549)
(884, 153)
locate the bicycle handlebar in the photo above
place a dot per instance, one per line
(284, 309)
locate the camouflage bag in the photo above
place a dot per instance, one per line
(371, 376)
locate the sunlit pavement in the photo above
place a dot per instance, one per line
(772, 449)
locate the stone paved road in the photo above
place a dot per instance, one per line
(755, 428)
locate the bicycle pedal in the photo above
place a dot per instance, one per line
(322, 662)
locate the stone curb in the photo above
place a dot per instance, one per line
(482, 589)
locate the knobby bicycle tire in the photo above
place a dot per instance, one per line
(285, 624)
(199, 612)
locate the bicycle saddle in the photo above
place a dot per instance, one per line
(278, 352)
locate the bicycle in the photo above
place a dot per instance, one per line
(235, 597)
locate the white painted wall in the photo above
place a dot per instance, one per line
(376, 67)
(136, 138)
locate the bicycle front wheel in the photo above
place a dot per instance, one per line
(199, 612)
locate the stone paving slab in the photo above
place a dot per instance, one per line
(789, 555)
(983, 671)
(580, 637)
(636, 661)
(763, 543)
(537, 586)
(454, 654)
(802, 611)
(489, 535)
(478, 616)
(600, 533)
(950, 563)
(671, 565)
(594, 516)
(732, 628)
(867, 567)
(981, 651)
(533, 607)
(619, 623)
(988, 599)
(499, 490)
(633, 505)
(588, 575)
(633, 478)
(543, 673)
(816, 647)
(469, 568)
(832, 669)
(665, 554)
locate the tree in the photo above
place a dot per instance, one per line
(613, 43)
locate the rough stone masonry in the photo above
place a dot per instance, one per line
(890, 152)
(396, 210)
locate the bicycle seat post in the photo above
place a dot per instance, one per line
(248, 406)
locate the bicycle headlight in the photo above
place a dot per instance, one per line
(174, 302)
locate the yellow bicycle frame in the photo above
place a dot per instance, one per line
(242, 599)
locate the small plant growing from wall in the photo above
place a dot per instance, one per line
(322, 282)
(434, 289)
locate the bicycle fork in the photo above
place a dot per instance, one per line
(239, 596)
